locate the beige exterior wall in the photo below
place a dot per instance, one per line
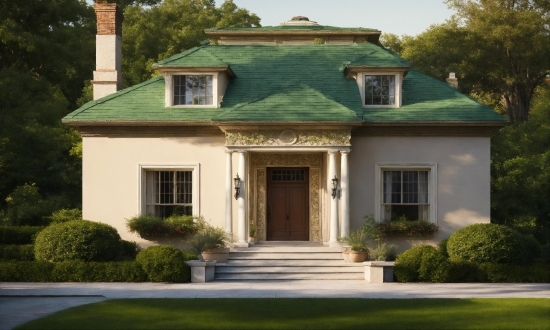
(463, 177)
(111, 175)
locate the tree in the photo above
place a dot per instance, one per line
(51, 38)
(500, 50)
(520, 171)
(35, 148)
(171, 27)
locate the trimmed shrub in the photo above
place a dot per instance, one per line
(78, 240)
(65, 215)
(442, 246)
(128, 250)
(407, 264)
(78, 271)
(26, 271)
(503, 273)
(164, 263)
(18, 235)
(491, 243)
(460, 271)
(433, 267)
(71, 271)
(17, 252)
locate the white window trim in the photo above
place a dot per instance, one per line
(432, 185)
(398, 87)
(142, 182)
(169, 90)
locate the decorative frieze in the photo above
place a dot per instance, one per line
(288, 137)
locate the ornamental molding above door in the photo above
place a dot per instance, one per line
(289, 137)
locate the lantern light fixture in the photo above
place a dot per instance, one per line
(237, 182)
(334, 186)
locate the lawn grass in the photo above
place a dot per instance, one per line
(302, 314)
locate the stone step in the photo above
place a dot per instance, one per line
(286, 255)
(291, 263)
(291, 276)
(287, 249)
(229, 269)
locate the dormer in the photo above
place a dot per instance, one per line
(380, 86)
(194, 79)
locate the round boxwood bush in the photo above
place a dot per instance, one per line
(164, 263)
(78, 240)
(407, 265)
(491, 243)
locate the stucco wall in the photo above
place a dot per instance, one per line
(463, 177)
(111, 175)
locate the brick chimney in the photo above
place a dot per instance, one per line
(108, 74)
(452, 80)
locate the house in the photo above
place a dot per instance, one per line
(318, 126)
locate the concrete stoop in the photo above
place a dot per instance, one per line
(288, 261)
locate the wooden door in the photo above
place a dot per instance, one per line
(287, 204)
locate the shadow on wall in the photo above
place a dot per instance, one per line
(455, 220)
(449, 174)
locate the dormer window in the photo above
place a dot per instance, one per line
(379, 89)
(193, 90)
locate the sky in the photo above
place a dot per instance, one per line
(410, 17)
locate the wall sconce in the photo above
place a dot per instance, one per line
(334, 186)
(237, 182)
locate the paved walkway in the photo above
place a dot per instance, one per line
(22, 302)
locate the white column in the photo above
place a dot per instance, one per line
(344, 189)
(228, 191)
(333, 201)
(241, 225)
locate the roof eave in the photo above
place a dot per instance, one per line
(200, 69)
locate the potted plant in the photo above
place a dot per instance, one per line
(358, 250)
(252, 234)
(211, 243)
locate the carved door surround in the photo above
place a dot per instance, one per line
(287, 147)
(257, 197)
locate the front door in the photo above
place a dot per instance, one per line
(287, 204)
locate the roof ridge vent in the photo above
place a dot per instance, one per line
(299, 21)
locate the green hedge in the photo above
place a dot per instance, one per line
(423, 264)
(18, 235)
(492, 243)
(78, 240)
(17, 252)
(71, 271)
(164, 263)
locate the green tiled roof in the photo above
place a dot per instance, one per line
(198, 56)
(289, 84)
(426, 99)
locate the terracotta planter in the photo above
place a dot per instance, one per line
(358, 256)
(345, 254)
(251, 240)
(219, 255)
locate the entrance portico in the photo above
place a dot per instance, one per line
(324, 156)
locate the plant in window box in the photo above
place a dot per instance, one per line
(404, 227)
(252, 234)
(383, 251)
(211, 243)
(357, 250)
(147, 226)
